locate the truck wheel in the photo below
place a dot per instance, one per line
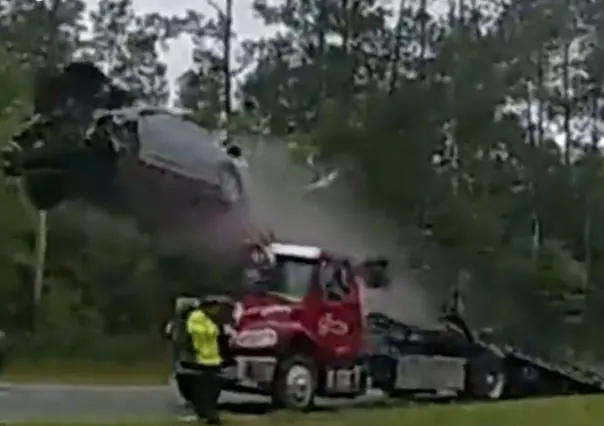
(295, 383)
(485, 375)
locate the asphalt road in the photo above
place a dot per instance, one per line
(56, 402)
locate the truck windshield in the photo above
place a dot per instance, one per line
(289, 276)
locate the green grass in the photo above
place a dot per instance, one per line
(88, 372)
(576, 411)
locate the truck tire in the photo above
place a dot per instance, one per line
(486, 375)
(295, 383)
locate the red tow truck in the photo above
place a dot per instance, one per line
(300, 332)
(300, 328)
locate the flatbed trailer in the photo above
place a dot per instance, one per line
(411, 363)
(534, 376)
(511, 372)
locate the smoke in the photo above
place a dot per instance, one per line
(335, 219)
(332, 218)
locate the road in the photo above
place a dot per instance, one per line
(56, 402)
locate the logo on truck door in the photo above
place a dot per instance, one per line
(330, 325)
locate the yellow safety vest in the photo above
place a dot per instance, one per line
(204, 336)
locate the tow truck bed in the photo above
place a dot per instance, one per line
(525, 375)
(534, 376)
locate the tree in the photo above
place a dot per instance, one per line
(127, 45)
(207, 86)
(15, 255)
(30, 27)
(464, 105)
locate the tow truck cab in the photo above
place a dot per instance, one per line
(300, 326)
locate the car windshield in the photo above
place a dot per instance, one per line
(288, 276)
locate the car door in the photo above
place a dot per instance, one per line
(170, 141)
(339, 321)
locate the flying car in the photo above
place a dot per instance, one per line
(90, 140)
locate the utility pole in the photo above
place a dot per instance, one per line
(40, 257)
(41, 242)
(225, 15)
(226, 65)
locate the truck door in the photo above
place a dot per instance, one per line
(339, 325)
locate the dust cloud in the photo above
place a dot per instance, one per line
(334, 218)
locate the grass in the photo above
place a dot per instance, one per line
(87, 372)
(579, 411)
(573, 411)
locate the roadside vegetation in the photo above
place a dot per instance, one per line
(81, 372)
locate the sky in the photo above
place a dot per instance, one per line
(246, 25)
(178, 57)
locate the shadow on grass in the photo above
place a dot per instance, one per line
(262, 408)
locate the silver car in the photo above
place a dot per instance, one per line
(90, 141)
(166, 139)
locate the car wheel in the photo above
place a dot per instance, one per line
(229, 183)
(486, 375)
(295, 384)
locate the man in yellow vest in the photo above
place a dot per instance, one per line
(205, 331)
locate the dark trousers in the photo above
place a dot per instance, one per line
(206, 388)
(186, 383)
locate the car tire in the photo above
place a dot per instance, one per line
(295, 383)
(486, 376)
(229, 185)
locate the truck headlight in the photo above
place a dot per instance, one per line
(254, 339)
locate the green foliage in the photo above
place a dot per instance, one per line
(129, 45)
(426, 114)
(444, 102)
(105, 291)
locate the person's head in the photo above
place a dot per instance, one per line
(185, 305)
(218, 307)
